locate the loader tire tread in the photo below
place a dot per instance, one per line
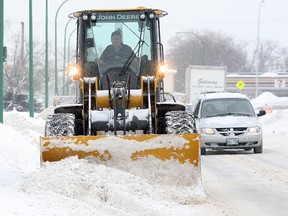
(180, 122)
(60, 124)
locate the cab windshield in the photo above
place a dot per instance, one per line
(117, 42)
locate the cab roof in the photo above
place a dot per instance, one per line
(77, 14)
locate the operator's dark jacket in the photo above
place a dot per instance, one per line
(109, 55)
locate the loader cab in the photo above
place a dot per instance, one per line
(139, 29)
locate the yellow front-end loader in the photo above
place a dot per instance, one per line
(122, 116)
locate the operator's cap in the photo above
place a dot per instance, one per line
(117, 32)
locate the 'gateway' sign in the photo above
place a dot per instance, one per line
(203, 82)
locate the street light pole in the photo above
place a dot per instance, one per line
(68, 51)
(1, 58)
(56, 68)
(31, 73)
(68, 60)
(257, 48)
(64, 57)
(46, 58)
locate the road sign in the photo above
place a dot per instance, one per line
(240, 84)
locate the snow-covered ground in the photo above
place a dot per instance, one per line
(79, 187)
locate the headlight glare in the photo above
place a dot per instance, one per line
(209, 131)
(74, 71)
(254, 130)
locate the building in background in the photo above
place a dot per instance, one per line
(274, 82)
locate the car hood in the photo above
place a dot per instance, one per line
(228, 121)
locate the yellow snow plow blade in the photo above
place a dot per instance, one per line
(159, 155)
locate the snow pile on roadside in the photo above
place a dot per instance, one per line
(20, 140)
(22, 122)
(109, 189)
(17, 153)
(81, 187)
(277, 119)
(269, 100)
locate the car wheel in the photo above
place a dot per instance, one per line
(258, 150)
(203, 151)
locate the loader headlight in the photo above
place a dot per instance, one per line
(162, 69)
(93, 17)
(142, 16)
(74, 71)
(85, 17)
(151, 16)
(254, 130)
(209, 131)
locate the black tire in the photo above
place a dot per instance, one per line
(203, 151)
(60, 124)
(258, 150)
(180, 122)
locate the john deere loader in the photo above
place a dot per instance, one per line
(122, 117)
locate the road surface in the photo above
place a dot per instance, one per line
(243, 183)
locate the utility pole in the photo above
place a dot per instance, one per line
(1, 58)
(257, 49)
(56, 64)
(31, 80)
(46, 58)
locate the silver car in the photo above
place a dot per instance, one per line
(227, 121)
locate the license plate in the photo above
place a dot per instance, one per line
(232, 141)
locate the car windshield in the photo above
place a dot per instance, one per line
(226, 106)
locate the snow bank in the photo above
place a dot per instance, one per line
(278, 119)
(17, 153)
(20, 140)
(269, 100)
(109, 189)
(83, 187)
(80, 187)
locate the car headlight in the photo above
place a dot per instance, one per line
(209, 131)
(254, 130)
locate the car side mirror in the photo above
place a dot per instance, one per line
(195, 115)
(261, 113)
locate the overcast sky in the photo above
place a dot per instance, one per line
(238, 18)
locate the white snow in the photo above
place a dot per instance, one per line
(83, 187)
(269, 100)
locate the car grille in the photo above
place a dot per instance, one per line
(236, 131)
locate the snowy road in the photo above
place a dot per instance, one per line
(235, 184)
(243, 183)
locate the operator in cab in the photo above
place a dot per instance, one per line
(116, 53)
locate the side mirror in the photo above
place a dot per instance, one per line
(195, 115)
(89, 42)
(261, 113)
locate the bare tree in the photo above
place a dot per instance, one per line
(282, 62)
(205, 48)
(268, 55)
(16, 71)
(218, 49)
